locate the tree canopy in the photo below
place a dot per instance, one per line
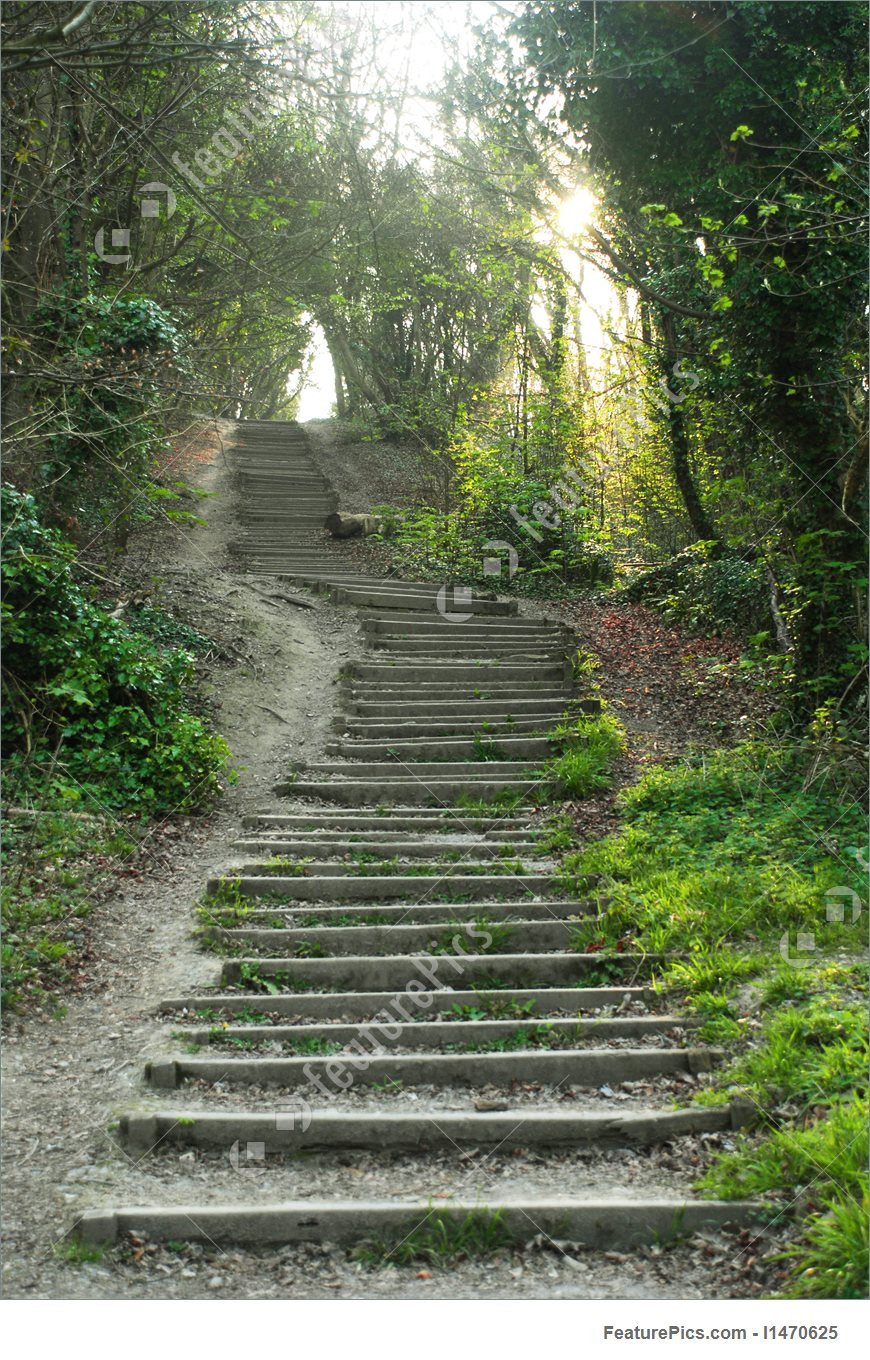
(192, 188)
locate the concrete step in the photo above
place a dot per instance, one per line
(422, 601)
(482, 684)
(491, 727)
(468, 771)
(470, 648)
(546, 1067)
(450, 671)
(394, 625)
(464, 1035)
(401, 819)
(462, 691)
(606, 1224)
(436, 625)
(532, 937)
(554, 708)
(338, 885)
(474, 847)
(526, 747)
(441, 914)
(324, 1130)
(367, 1005)
(380, 973)
(423, 769)
(431, 793)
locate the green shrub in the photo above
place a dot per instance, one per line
(828, 1154)
(714, 851)
(427, 542)
(707, 590)
(102, 704)
(98, 453)
(54, 862)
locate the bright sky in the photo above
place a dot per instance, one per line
(422, 38)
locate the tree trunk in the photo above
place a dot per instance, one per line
(702, 526)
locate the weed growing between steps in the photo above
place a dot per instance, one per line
(493, 1008)
(535, 1036)
(481, 936)
(585, 752)
(441, 1239)
(313, 1046)
(750, 860)
(251, 979)
(78, 1253)
(97, 708)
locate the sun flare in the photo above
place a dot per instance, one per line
(575, 212)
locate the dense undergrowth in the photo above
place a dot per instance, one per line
(501, 528)
(100, 733)
(750, 863)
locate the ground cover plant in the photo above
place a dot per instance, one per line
(752, 861)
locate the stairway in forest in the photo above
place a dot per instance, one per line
(398, 974)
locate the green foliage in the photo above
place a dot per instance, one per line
(78, 1253)
(586, 751)
(427, 543)
(557, 835)
(748, 257)
(714, 851)
(54, 864)
(88, 695)
(707, 591)
(441, 1239)
(811, 1055)
(533, 1036)
(100, 451)
(493, 1008)
(721, 857)
(481, 936)
(832, 1260)
(251, 979)
(167, 631)
(310, 949)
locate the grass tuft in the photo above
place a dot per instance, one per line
(442, 1239)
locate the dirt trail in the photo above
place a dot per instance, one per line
(67, 1078)
(67, 1073)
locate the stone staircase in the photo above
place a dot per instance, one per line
(398, 980)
